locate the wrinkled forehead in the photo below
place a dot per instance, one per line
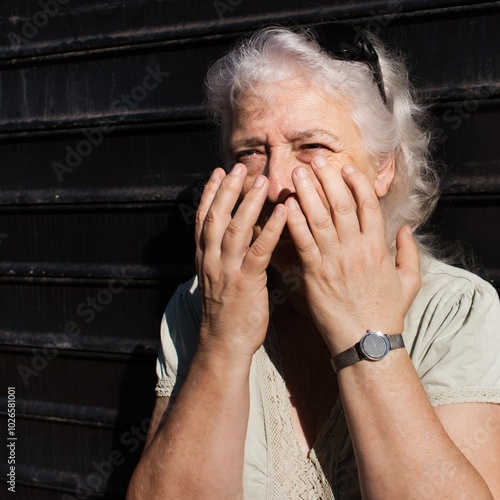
(298, 97)
(296, 103)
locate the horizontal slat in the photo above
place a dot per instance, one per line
(154, 121)
(81, 346)
(73, 28)
(470, 222)
(114, 238)
(99, 199)
(65, 376)
(59, 170)
(44, 427)
(131, 86)
(85, 415)
(160, 118)
(123, 74)
(85, 312)
(91, 274)
(39, 483)
(467, 144)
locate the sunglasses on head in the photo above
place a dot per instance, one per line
(350, 43)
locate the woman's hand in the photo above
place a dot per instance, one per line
(231, 268)
(351, 281)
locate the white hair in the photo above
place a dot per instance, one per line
(398, 129)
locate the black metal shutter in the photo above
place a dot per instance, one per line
(102, 131)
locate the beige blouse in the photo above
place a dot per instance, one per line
(452, 333)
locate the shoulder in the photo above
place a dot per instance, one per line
(179, 337)
(449, 294)
(439, 277)
(454, 309)
(451, 332)
(181, 320)
(185, 301)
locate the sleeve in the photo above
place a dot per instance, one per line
(179, 338)
(456, 348)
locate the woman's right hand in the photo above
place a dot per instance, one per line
(231, 267)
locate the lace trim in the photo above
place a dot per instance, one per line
(290, 474)
(164, 388)
(465, 396)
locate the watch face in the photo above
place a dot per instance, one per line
(375, 345)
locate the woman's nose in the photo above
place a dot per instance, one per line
(279, 173)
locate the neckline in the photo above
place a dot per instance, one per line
(274, 354)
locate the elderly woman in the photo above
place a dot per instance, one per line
(321, 352)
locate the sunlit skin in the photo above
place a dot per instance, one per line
(281, 205)
(279, 132)
(298, 152)
(285, 126)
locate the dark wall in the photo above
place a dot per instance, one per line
(102, 140)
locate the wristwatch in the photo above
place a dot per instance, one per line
(374, 346)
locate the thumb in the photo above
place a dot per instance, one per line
(408, 261)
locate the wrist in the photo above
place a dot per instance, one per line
(231, 340)
(217, 356)
(373, 346)
(352, 332)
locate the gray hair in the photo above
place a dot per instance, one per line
(399, 128)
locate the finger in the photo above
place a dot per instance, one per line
(259, 254)
(408, 262)
(313, 208)
(304, 241)
(218, 214)
(342, 204)
(238, 233)
(371, 220)
(206, 200)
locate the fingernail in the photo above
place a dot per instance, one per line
(216, 174)
(408, 230)
(236, 170)
(259, 182)
(319, 161)
(279, 210)
(348, 169)
(301, 173)
(292, 204)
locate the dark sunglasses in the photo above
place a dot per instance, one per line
(350, 43)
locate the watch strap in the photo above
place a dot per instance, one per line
(396, 341)
(354, 353)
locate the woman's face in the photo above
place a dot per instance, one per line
(282, 126)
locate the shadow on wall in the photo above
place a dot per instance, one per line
(174, 245)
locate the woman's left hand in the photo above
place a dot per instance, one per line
(352, 282)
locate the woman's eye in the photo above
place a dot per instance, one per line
(245, 154)
(314, 146)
